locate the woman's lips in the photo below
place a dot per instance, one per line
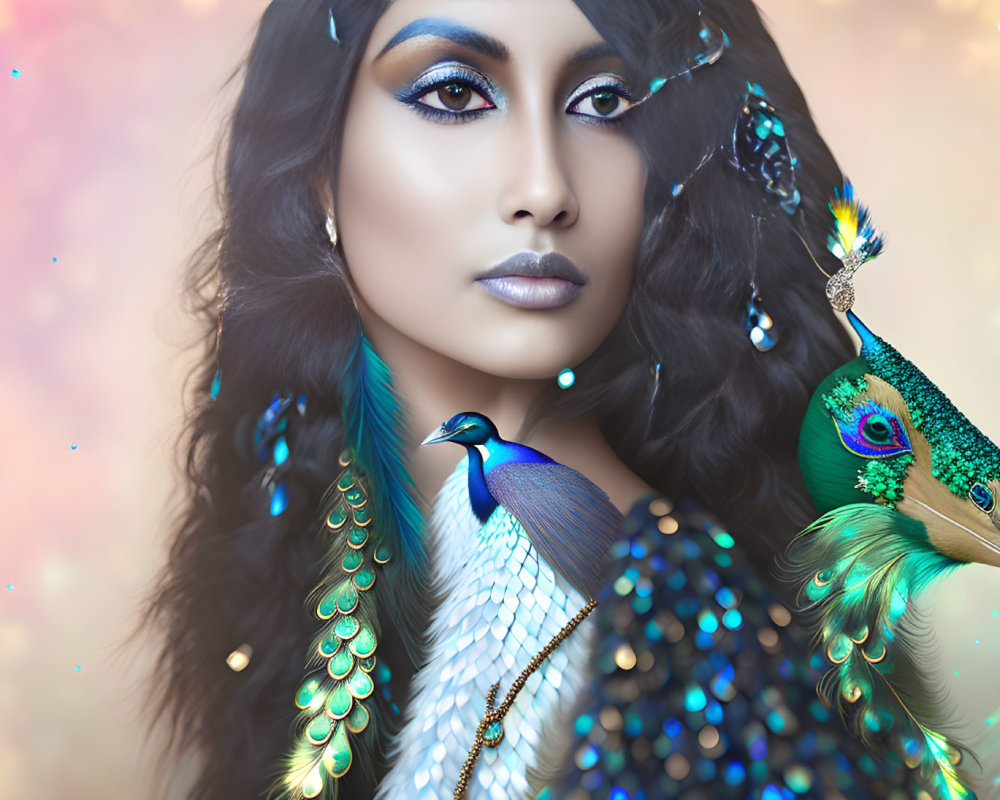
(532, 280)
(537, 293)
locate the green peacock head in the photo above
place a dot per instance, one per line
(877, 430)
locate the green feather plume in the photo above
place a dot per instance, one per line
(857, 569)
(337, 707)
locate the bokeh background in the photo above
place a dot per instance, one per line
(108, 111)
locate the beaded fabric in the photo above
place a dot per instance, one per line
(705, 686)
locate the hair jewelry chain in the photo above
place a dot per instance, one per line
(490, 729)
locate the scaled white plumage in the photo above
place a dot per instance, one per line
(501, 605)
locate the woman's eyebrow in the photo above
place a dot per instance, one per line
(591, 52)
(449, 29)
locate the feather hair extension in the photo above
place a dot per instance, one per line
(373, 424)
(856, 569)
(374, 528)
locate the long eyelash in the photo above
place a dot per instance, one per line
(442, 76)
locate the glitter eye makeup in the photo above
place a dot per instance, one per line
(606, 95)
(448, 93)
(454, 92)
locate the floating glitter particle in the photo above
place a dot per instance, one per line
(72, 447)
(566, 378)
(10, 587)
(958, 672)
(79, 668)
(16, 73)
(996, 613)
(55, 260)
(977, 641)
(239, 659)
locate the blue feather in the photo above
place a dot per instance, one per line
(373, 426)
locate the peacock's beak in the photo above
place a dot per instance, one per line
(437, 435)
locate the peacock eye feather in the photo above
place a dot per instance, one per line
(871, 431)
(877, 429)
(982, 497)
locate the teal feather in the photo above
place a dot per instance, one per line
(857, 569)
(373, 571)
(374, 426)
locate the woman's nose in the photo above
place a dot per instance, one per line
(538, 182)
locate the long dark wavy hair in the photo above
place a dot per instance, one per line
(722, 428)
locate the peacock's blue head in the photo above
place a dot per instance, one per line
(468, 428)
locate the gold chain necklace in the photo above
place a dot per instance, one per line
(490, 729)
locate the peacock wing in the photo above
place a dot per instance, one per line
(569, 519)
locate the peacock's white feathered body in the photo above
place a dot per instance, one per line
(501, 604)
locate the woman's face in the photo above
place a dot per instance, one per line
(489, 203)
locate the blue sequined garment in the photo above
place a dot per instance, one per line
(705, 687)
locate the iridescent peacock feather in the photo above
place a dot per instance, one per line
(364, 527)
(333, 700)
(907, 488)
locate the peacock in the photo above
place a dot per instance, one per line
(519, 543)
(908, 489)
(568, 519)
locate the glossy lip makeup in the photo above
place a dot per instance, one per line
(534, 281)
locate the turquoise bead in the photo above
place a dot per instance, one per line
(493, 734)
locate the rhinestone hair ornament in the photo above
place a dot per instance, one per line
(714, 43)
(761, 152)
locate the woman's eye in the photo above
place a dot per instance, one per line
(454, 96)
(605, 103)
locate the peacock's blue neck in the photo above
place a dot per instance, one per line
(498, 451)
(482, 501)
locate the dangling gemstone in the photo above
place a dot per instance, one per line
(493, 734)
(216, 384)
(280, 454)
(279, 500)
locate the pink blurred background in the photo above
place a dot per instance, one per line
(108, 111)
